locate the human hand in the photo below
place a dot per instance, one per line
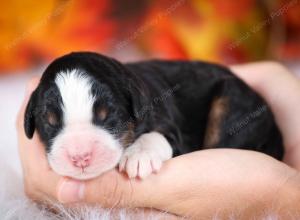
(281, 91)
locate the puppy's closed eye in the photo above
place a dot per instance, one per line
(101, 113)
(52, 118)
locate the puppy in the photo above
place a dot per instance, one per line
(94, 113)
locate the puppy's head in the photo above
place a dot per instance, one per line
(84, 110)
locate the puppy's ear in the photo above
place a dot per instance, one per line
(29, 118)
(139, 99)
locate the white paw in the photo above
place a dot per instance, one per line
(145, 155)
(139, 162)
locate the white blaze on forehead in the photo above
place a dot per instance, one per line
(75, 89)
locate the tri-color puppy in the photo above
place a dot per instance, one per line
(94, 113)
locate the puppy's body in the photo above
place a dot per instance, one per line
(209, 107)
(93, 112)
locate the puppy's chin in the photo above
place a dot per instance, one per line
(98, 166)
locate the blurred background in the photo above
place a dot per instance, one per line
(33, 33)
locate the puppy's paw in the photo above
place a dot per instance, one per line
(145, 155)
(139, 161)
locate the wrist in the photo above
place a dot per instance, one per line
(281, 91)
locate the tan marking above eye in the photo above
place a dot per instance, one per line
(52, 118)
(102, 113)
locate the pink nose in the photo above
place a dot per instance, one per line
(81, 160)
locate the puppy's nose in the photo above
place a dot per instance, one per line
(81, 160)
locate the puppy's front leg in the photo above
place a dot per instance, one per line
(145, 155)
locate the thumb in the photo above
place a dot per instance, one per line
(70, 190)
(109, 190)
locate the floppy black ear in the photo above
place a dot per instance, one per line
(139, 99)
(29, 124)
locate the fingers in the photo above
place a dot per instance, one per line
(255, 74)
(41, 185)
(70, 191)
(281, 90)
(113, 189)
(40, 181)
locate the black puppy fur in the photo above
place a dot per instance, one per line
(195, 105)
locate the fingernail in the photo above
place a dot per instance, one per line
(70, 191)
